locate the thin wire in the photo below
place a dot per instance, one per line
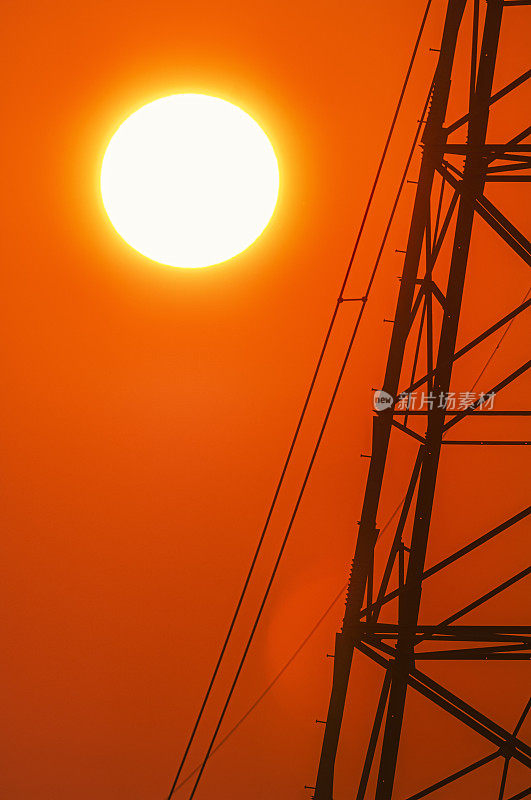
(334, 601)
(270, 686)
(288, 663)
(500, 340)
(305, 405)
(316, 448)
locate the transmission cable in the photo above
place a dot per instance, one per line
(305, 405)
(285, 667)
(336, 599)
(500, 340)
(363, 304)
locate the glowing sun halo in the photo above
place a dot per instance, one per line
(189, 180)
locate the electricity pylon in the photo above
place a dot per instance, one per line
(396, 646)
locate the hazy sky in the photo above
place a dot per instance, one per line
(147, 410)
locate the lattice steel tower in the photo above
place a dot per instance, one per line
(396, 646)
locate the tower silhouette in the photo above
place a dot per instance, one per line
(450, 195)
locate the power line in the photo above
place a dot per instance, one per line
(315, 451)
(500, 340)
(287, 664)
(305, 405)
(270, 686)
(336, 599)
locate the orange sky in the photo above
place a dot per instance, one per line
(147, 409)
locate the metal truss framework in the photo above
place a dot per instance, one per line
(395, 647)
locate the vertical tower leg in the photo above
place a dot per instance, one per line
(346, 640)
(473, 185)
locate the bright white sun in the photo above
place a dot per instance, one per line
(189, 180)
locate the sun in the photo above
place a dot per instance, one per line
(189, 180)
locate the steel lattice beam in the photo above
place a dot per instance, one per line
(395, 647)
